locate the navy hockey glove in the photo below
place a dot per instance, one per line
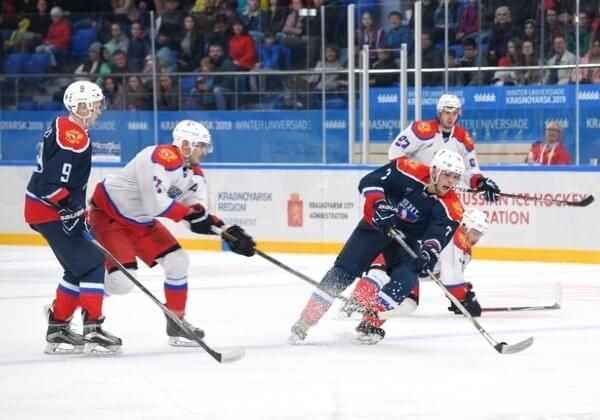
(384, 215)
(239, 241)
(427, 257)
(73, 221)
(202, 222)
(489, 189)
(470, 303)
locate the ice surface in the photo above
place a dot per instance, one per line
(432, 365)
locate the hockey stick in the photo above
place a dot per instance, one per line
(220, 357)
(291, 270)
(581, 203)
(556, 305)
(501, 347)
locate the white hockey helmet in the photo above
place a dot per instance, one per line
(193, 132)
(82, 92)
(449, 101)
(475, 219)
(446, 160)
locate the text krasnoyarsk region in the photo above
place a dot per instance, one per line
(526, 96)
(328, 209)
(237, 201)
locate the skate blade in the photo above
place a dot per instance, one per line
(345, 316)
(62, 349)
(365, 339)
(95, 349)
(182, 342)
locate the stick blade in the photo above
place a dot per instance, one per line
(583, 203)
(232, 355)
(504, 348)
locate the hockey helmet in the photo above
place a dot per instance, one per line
(475, 219)
(449, 101)
(193, 132)
(82, 92)
(446, 160)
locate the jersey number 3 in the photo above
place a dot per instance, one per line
(402, 142)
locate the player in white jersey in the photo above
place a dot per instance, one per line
(161, 181)
(421, 139)
(450, 268)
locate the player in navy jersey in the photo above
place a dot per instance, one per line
(404, 194)
(55, 207)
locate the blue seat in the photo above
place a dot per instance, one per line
(6, 33)
(50, 106)
(16, 63)
(28, 106)
(187, 84)
(39, 63)
(81, 41)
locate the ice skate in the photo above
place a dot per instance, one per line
(350, 310)
(298, 332)
(97, 340)
(369, 334)
(179, 337)
(60, 338)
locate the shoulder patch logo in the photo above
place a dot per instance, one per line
(167, 155)
(457, 209)
(74, 137)
(424, 130)
(70, 136)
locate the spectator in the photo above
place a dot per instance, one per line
(513, 57)
(21, 39)
(270, 58)
(242, 49)
(589, 74)
(530, 33)
(311, 34)
(192, 45)
(170, 18)
(275, 17)
(120, 63)
(563, 57)
(58, 39)
(469, 20)
(223, 85)
(201, 95)
(455, 78)
(201, 5)
(125, 12)
(118, 40)
(230, 9)
(91, 65)
(471, 58)
(454, 16)
(139, 46)
(254, 19)
(502, 31)
(166, 60)
(136, 96)
(221, 32)
(206, 16)
(167, 99)
(369, 34)
(585, 35)
(398, 34)
(551, 151)
(552, 29)
(290, 35)
(385, 60)
(520, 9)
(427, 13)
(432, 58)
(40, 21)
(115, 101)
(531, 58)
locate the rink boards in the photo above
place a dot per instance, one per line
(313, 209)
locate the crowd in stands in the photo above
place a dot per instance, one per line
(198, 41)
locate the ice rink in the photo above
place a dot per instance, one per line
(431, 365)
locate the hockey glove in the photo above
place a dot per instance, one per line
(470, 303)
(489, 189)
(384, 215)
(239, 241)
(427, 257)
(73, 221)
(201, 221)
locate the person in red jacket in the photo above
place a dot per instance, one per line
(58, 38)
(242, 48)
(551, 151)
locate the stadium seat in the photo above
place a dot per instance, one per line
(39, 63)
(15, 63)
(187, 84)
(6, 33)
(28, 106)
(81, 41)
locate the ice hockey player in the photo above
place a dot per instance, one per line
(406, 195)
(160, 181)
(449, 269)
(422, 139)
(55, 207)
